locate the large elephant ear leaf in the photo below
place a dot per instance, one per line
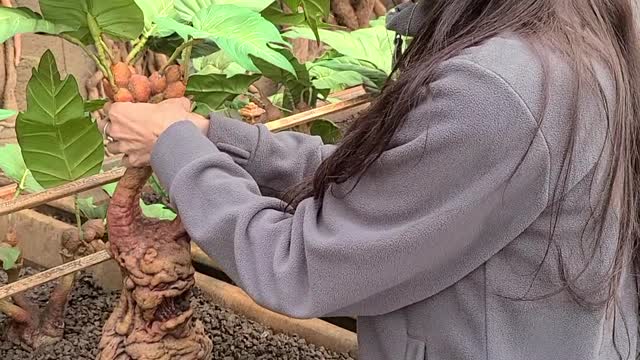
(154, 9)
(188, 8)
(121, 19)
(59, 141)
(15, 21)
(239, 31)
(373, 45)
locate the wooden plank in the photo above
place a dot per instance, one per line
(53, 273)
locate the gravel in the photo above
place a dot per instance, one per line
(234, 337)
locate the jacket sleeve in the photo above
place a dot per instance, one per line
(430, 211)
(277, 161)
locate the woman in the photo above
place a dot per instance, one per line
(484, 207)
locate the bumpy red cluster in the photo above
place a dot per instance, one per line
(132, 87)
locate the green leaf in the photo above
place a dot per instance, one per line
(94, 105)
(15, 21)
(188, 8)
(168, 44)
(121, 19)
(314, 11)
(14, 167)
(373, 45)
(327, 130)
(277, 16)
(297, 85)
(5, 114)
(9, 256)
(157, 211)
(110, 188)
(372, 76)
(90, 210)
(211, 91)
(238, 31)
(334, 80)
(153, 9)
(218, 63)
(59, 141)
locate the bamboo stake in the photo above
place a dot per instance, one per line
(81, 264)
(313, 114)
(53, 273)
(40, 198)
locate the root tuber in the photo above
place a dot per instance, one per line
(175, 90)
(173, 73)
(153, 318)
(123, 95)
(140, 88)
(158, 83)
(121, 74)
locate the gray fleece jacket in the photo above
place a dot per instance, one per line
(437, 246)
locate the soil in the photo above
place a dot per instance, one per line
(234, 337)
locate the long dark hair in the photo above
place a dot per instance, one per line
(581, 30)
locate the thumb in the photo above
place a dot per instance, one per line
(182, 102)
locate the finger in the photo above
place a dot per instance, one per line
(115, 147)
(125, 161)
(137, 161)
(129, 162)
(101, 122)
(107, 107)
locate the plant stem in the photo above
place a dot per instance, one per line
(180, 48)
(138, 47)
(186, 59)
(20, 188)
(107, 49)
(93, 56)
(155, 184)
(78, 217)
(99, 44)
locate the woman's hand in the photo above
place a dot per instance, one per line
(134, 128)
